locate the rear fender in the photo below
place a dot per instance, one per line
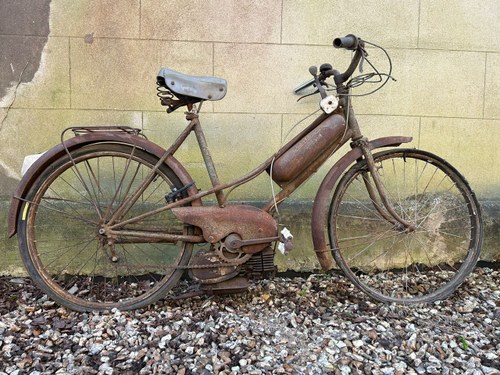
(79, 141)
(322, 203)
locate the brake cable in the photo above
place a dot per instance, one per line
(359, 80)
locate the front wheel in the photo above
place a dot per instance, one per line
(385, 259)
(61, 230)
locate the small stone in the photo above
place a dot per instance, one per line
(467, 307)
(373, 335)
(340, 344)
(96, 348)
(73, 290)
(358, 343)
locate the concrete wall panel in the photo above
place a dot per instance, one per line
(214, 20)
(390, 23)
(492, 86)
(261, 77)
(32, 131)
(95, 18)
(460, 24)
(430, 83)
(104, 77)
(466, 144)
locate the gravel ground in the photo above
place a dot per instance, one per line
(314, 325)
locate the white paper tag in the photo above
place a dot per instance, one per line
(287, 237)
(329, 104)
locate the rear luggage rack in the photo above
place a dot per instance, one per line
(82, 130)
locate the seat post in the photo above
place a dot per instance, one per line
(205, 152)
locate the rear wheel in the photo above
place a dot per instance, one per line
(384, 259)
(61, 230)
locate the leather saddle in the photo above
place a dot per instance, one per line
(183, 85)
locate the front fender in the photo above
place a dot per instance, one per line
(79, 141)
(322, 204)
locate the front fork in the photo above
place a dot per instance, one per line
(383, 206)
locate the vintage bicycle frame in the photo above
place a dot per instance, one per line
(361, 148)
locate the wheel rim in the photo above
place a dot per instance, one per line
(74, 261)
(394, 265)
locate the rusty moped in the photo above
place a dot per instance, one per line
(108, 219)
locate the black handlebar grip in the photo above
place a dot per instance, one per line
(348, 42)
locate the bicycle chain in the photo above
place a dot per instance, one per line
(190, 267)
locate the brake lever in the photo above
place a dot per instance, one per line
(314, 72)
(305, 96)
(304, 85)
(364, 54)
(323, 84)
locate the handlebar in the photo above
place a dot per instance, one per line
(348, 42)
(353, 43)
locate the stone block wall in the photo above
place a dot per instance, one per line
(94, 62)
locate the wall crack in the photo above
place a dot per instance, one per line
(14, 96)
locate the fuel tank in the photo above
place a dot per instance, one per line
(309, 148)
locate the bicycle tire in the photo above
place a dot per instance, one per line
(58, 230)
(391, 264)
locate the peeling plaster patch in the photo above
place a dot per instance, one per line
(24, 32)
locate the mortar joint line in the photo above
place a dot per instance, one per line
(484, 83)
(282, 130)
(69, 74)
(418, 22)
(140, 19)
(419, 131)
(213, 58)
(281, 21)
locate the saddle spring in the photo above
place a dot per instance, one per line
(171, 99)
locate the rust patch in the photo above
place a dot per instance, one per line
(249, 222)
